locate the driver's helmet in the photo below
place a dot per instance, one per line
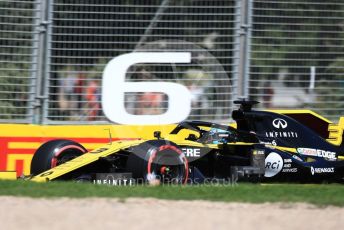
(217, 136)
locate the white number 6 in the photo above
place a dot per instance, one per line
(114, 88)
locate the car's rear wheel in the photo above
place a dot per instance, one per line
(54, 153)
(158, 161)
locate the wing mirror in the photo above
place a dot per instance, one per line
(191, 137)
(157, 135)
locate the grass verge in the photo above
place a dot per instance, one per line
(322, 195)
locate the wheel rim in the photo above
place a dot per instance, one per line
(65, 154)
(168, 165)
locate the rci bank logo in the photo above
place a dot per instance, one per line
(273, 164)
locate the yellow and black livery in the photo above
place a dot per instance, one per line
(293, 145)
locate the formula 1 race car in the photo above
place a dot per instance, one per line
(265, 146)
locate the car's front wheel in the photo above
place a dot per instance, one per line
(54, 153)
(158, 161)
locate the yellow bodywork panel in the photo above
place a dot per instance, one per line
(336, 132)
(104, 151)
(291, 150)
(83, 160)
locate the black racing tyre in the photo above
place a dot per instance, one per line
(158, 160)
(53, 153)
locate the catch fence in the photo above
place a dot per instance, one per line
(286, 54)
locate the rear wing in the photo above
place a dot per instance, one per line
(336, 132)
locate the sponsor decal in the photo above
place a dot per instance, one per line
(321, 170)
(114, 179)
(99, 150)
(116, 182)
(273, 142)
(287, 166)
(46, 174)
(290, 170)
(273, 164)
(317, 153)
(297, 158)
(279, 123)
(258, 152)
(277, 134)
(190, 152)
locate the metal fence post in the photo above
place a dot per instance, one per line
(236, 48)
(40, 88)
(247, 51)
(244, 16)
(32, 112)
(47, 62)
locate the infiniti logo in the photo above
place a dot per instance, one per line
(279, 123)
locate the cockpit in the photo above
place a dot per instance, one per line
(212, 133)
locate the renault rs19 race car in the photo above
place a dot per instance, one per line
(265, 146)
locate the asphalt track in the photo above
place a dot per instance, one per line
(135, 213)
